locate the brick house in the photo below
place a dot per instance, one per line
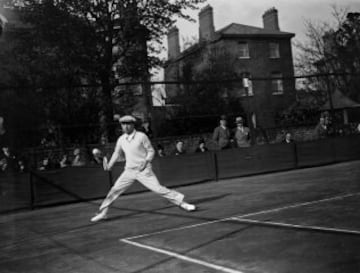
(254, 52)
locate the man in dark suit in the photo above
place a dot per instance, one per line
(241, 134)
(221, 134)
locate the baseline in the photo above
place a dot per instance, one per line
(182, 257)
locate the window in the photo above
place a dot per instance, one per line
(277, 83)
(244, 50)
(274, 50)
(247, 85)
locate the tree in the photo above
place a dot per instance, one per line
(83, 41)
(333, 49)
(214, 92)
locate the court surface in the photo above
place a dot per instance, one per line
(304, 220)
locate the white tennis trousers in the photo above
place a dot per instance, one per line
(148, 179)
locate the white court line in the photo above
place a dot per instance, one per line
(183, 257)
(303, 227)
(244, 215)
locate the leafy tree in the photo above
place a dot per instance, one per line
(333, 49)
(214, 93)
(74, 42)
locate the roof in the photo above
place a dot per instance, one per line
(340, 101)
(12, 17)
(235, 29)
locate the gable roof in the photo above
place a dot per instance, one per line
(235, 29)
(340, 101)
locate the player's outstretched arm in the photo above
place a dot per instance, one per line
(114, 157)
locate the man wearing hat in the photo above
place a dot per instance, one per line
(138, 152)
(221, 134)
(241, 133)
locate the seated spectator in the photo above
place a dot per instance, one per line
(179, 148)
(221, 135)
(358, 129)
(3, 165)
(9, 160)
(78, 160)
(321, 130)
(160, 150)
(288, 139)
(97, 157)
(241, 134)
(4, 141)
(45, 164)
(22, 165)
(64, 162)
(202, 147)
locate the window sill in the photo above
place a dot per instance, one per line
(242, 58)
(274, 58)
(278, 93)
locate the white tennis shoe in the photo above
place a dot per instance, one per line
(99, 216)
(187, 206)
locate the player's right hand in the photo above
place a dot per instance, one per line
(105, 164)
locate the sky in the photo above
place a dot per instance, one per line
(292, 13)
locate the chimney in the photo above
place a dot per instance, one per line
(173, 43)
(270, 19)
(206, 24)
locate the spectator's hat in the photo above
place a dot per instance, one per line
(239, 120)
(127, 119)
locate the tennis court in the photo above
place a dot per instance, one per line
(304, 220)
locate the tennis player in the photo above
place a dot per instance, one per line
(136, 148)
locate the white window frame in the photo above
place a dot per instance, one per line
(278, 83)
(274, 50)
(244, 52)
(247, 83)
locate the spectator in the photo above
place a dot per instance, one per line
(321, 130)
(97, 157)
(22, 165)
(45, 164)
(179, 148)
(3, 165)
(288, 138)
(202, 147)
(160, 150)
(146, 128)
(3, 134)
(64, 162)
(9, 160)
(78, 160)
(241, 134)
(221, 135)
(358, 129)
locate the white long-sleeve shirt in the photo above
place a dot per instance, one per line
(136, 147)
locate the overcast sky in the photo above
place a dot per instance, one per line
(292, 13)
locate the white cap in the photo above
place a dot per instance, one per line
(127, 119)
